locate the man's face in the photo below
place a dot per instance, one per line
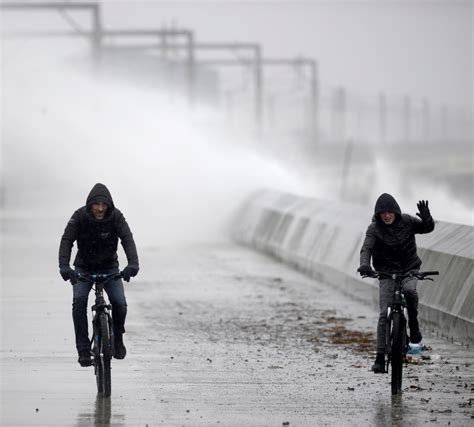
(387, 217)
(99, 209)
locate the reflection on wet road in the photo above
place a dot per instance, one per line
(101, 416)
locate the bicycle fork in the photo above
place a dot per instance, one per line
(112, 336)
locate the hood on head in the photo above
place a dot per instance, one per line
(386, 203)
(100, 193)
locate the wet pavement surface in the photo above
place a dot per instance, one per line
(216, 335)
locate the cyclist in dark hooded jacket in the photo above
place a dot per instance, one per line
(97, 227)
(390, 244)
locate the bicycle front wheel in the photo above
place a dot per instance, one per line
(397, 352)
(106, 353)
(98, 361)
(103, 357)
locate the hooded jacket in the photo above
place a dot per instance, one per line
(97, 240)
(393, 247)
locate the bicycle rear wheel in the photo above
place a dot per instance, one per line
(397, 352)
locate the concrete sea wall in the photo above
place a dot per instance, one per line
(323, 239)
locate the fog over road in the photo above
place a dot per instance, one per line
(216, 335)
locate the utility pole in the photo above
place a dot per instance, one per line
(313, 66)
(191, 69)
(339, 114)
(258, 88)
(97, 33)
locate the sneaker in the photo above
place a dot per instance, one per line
(120, 350)
(85, 358)
(379, 366)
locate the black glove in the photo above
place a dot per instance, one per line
(67, 273)
(424, 210)
(365, 270)
(129, 271)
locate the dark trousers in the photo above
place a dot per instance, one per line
(81, 290)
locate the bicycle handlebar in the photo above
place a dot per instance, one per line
(430, 273)
(420, 275)
(99, 277)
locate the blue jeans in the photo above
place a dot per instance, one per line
(81, 290)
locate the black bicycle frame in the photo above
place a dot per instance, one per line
(398, 305)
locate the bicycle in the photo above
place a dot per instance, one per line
(397, 337)
(102, 342)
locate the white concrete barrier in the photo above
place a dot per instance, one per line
(323, 239)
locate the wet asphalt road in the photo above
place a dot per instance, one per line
(216, 335)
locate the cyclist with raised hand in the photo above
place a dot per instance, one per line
(390, 244)
(96, 227)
